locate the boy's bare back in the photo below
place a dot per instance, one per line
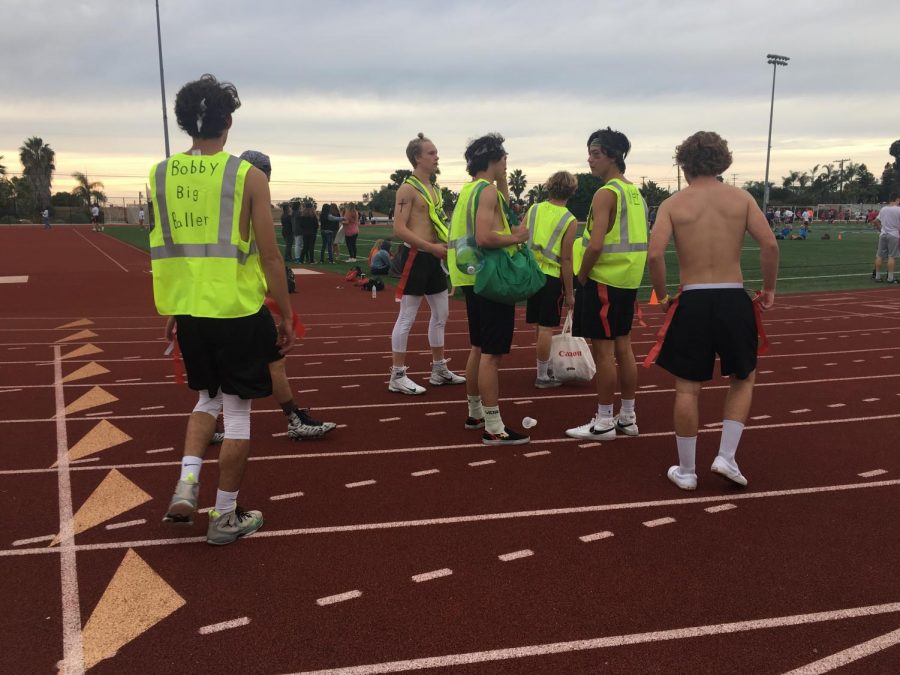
(708, 221)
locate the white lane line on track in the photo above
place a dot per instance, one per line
(837, 405)
(153, 407)
(596, 536)
(849, 655)
(515, 555)
(224, 625)
(426, 472)
(647, 386)
(761, 417)
(799, 368)
(307, 391)
(437, 412)
(389, 419)
(340, 597)
(314, 363)
(713, 425)
(870, 400)
(592, 444)
(428, 576)
(127, 523)
(9, 391)
(349, 386)
(859, 360)
(33, 540)
(446, 661)
(351, 360)
(85, 460)
(872, 473)
(537, 453)
(719, 508)
(130, 379)
(659, 521)
(887, 357)
(457, 446)
(101, 412)
(801, 410)
(120, 266)
(360, 483)
(483, 462)
(158, 450)
(14, 349)
(73, 645)
(289, 495)
(132, 358)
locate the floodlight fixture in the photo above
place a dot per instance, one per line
(774, 60)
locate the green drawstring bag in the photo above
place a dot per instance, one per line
(509, 279)
(505, 278)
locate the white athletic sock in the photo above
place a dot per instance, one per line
(890, 276)
(190, 468)
(731, 436)
(605, 410)
(628, 406)
(398, 371)
(493, 423)
(687, 452)
(476, 411)
(542, 368)
(226, 502)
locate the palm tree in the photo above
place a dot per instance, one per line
(517, 183)
(537, 193)
(790, 180)
(2, 168)
(38, 159)
(88, 191)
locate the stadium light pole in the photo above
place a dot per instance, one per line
(774, 60)
(162, 80)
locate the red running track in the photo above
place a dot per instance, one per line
(557, 556)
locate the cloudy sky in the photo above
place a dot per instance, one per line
(333, 90)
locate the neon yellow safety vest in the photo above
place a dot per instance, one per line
(435, 203)
(547, 225)
(462, 228)
(201, 267)
(621, 263)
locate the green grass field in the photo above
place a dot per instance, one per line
(806, 266)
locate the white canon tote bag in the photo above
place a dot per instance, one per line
(570, 357)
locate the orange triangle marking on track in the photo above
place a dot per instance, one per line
(90, 370)
(136, 599)
(114, 496)
(84, 350)
(76, 324)
(102, 437)
(81, 335)
(94, 397)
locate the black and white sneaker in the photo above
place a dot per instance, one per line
(301, 425)
(473, 423)
(508, 437)
(598, 429)
(441, 374)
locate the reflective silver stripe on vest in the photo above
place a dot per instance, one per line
(624, 246)
(554, 237)
(229, 251)
(223, 248)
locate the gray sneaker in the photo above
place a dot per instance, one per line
(547, 382)
(183, 504)
(217, 438)
(441, 374)
(224, 528)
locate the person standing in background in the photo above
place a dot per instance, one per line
(287, 229)
(351, 231)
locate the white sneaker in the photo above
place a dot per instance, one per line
(441, 374)
(686, 481)
(598, 429)
(728, 470)
(401, 384)
(627, 424)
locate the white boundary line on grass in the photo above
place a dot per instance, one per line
(525, 651)
(475, 518)
(73, 648)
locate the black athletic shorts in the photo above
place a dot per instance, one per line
(422, 273)
(602, 312)
(707, 322)
(491, 324)
(544, 306)
(231, 354)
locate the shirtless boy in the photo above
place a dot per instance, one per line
(419, 224)
(712, 314)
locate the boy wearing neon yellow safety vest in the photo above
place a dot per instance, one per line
(551, 234)
(213, 254)
(609, 265)
(419, 222)
(480, 219)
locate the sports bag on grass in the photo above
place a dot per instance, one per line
(509, 279)
(570, 357)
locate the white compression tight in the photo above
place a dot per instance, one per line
(210, 406)
(409, 307)
(237, 417)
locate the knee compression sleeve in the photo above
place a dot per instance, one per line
(440, 309)
(237, 417)
(409, 307)
(210, 406)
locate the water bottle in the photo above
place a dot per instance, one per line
(374, 292)
(469, 258)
